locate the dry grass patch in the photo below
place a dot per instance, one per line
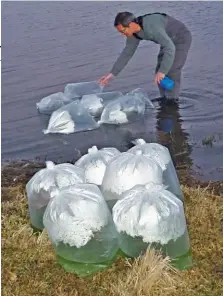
(147, 275)
(29, 266)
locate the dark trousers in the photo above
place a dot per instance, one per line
(182, 46)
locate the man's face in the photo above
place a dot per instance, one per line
(126, 31)
(130, 30)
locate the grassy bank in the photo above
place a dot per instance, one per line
(29, 266)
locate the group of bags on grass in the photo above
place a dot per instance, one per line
(84, 106)
(110, 203)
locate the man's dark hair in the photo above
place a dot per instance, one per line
(124, 19)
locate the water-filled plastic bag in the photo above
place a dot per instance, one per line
(94, 163)
(51, 103)
(149, 215)
(77, 90)
(123, 110)
(80, 226)
(127, 170)
(70, 119)
(109, 96)
(140, 93)
(93, 103)
(161, 154)
(40, 186)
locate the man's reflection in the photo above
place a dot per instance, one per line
(171, 134)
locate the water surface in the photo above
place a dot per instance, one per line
(46, 45)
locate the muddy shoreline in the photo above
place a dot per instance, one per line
(17, 173)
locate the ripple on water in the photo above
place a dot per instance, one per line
(203, 108)
(192, 130)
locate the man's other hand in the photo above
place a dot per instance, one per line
(159, 76)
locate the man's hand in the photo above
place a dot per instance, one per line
(105, 79)
(159, 76)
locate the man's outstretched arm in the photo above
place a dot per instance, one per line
(123, 59)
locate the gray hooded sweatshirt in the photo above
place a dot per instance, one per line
(161, 29)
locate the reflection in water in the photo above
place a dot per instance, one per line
(171, 134)
(168, 132)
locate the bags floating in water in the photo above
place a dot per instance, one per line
(121, 110)
(140, 93)
(71, 118)
(126, 171)
(94, 163)
(81, 228)
(52, 102)
(152, 216)
(114, 115)
(109, 96)
(77, 90)
(93, 103)
(162, 156)
(40, 186)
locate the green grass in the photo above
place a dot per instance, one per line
(208, 141)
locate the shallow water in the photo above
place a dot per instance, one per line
(46, 45)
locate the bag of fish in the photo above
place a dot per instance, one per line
(70, 119)
(94, 163)
(162, 155)
(78, 90)
(123, 110)
(40, 186)
(150, 216)
(95, 103)
(80, 226)
(126, 171)
(51, 103)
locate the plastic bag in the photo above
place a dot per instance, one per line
(112, 114)
(122, 110)
(80, 227)
(162, 156)
(94, 163)
(40, 186)
(126, 171)
(77, 90)
(150, 215)
(109, 153)
(52, 102)
(109, 96)
(93, 103)
(140, 93)
(71, 118)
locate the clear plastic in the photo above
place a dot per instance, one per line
(77, 90)
(122, 110)
(125, 171)
(109, 96)
(109, 153)
(93, 103)
(152, 216)
(94, 163)
(140, 93)
(40, 186)
(162, 155)
(51, 103)
(113, 114)
(70, 119)
(81, 228)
